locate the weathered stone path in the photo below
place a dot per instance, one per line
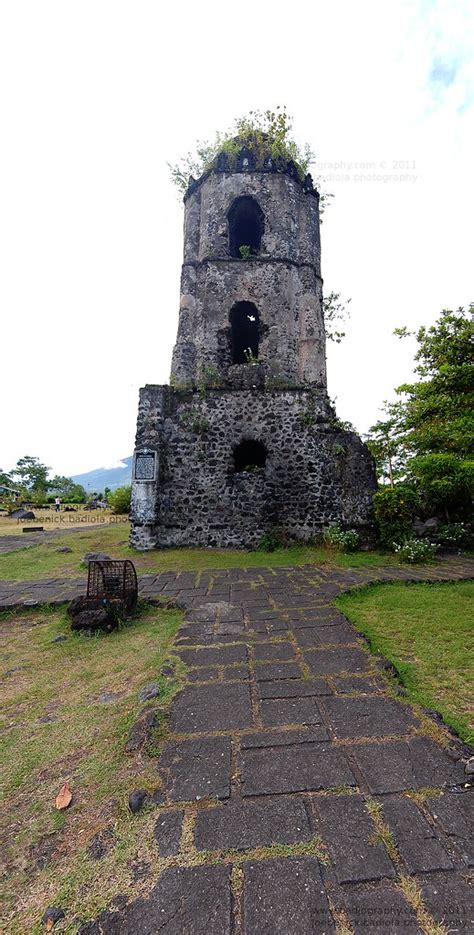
(299, 795)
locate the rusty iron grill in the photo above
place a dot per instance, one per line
(113, 581)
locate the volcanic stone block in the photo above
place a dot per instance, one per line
(214, 656)
(211, 707)
(329, 661)
(294, 688)
(247, 825)
(350, 834)
(450, 899)
(284, 738)
(186, 899)
(197, 769)
(168, 833)
(419, 848)
(378, 909)
(268, 671)
(368, 717)
(454, 813)
(274, 651)
(290, 711)
(412, 764)
(305, 767)
(354, 683)
(338, 634)
(285, 896)
(203, 675)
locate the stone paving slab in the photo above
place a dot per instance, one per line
(211, 708)
(368, 717)
(407, 764)
(168, 833)
(380, 908)
(287, 897)
(190, 900)
(304, 768)
(197, 769)
(356, 852)
(419, 848)
(454, 814)
(252, 824)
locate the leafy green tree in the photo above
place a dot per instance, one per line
(119, 499)
(386, 441)
(31, 474)
(426, 437)
(439, 408)
(6, 480)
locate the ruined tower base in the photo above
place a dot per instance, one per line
(220, 467)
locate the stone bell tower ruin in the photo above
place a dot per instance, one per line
(244, 439)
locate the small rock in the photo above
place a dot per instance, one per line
(53, 914)
(136, 800)
(65, 548)
(141, 730)
(152, 690)
(96, 557)
(167, 671)
(59, 639)
(469, 767)
(30, 603)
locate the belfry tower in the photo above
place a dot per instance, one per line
(244, 439)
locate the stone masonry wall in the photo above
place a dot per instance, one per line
(315, 474)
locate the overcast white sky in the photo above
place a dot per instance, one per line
(97, 96)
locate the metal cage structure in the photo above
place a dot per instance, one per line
(113, 581)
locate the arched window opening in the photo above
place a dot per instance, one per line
(244, 324)
(249, 455)
(246, 226)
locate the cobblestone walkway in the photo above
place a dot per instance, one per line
(299, 795)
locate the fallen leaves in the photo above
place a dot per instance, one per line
(64, 797)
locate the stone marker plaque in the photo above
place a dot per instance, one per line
(145, 465)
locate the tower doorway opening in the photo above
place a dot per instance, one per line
(244, 324)
(246, 226)
(249, 455)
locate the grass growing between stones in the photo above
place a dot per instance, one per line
(426, 631)
(67, 710)
(44, 561)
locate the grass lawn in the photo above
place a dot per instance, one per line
(426, 631)
(44, 561)
(57, 727)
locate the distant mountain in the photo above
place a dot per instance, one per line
(118, 476)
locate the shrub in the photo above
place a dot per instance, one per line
(341, 540)
(273, 539)
(415, 550)
(119, 500)
(395, 509)
(453, 535)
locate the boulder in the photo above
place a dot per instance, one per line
(22, 514)
(96, 557)
(90, 614)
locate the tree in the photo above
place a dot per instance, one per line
(5, 479)
(32, 474)
(426, 438)
(439, 408)
(65, 488)
(335, 313)
(119, 499)
(386, 441)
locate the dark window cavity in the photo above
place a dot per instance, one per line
(246, 226)
(244, 332)
(249, 455)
